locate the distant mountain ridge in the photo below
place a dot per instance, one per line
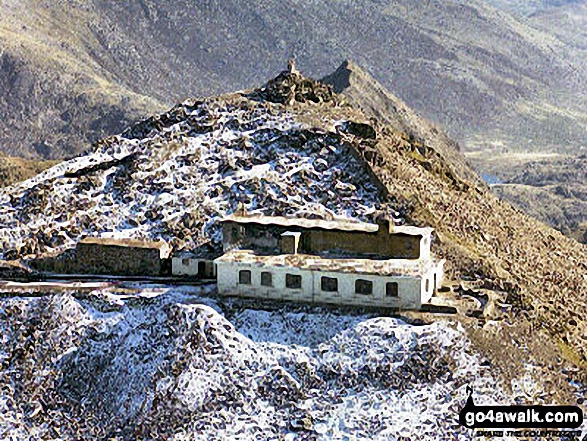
(75, 71)
(366, 93)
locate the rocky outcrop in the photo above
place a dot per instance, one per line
(291, 87)
(129, 364)
(365, 92)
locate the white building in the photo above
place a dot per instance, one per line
(399, 284)
(298, 266)
(196, 263)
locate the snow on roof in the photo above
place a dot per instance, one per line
(393, 267)
(342, 225)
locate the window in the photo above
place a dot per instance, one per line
(427, 285)
(364, 287)
(185, 262)
(201, 269)
(329, 284)
(266, 279)
(391, 289)
(244, 277)
(293, 281)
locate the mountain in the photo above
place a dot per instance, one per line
(553, 191)
(134, 361)
(366, 93)
(173, 175)
(55, 98)
(531, 7)
(76, 70)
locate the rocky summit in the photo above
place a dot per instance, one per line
(135, 361)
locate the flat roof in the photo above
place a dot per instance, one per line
(342, 225)
(123, 242)
(393, 267)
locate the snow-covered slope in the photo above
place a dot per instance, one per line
(173, 179)
(167, 364)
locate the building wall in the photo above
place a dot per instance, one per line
(390, 246)
(251, 236)
(410, 288)
(116, 260)
(381, 243)
(191, 267)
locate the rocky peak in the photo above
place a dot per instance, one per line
(290, 86)
(362, 90)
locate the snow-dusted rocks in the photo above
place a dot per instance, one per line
(165, 364)
(172, 176)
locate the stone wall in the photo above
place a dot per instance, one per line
(105, 260)
(118, 260)
(316, 241)
(381, 244)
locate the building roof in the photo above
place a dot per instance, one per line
(342, 225)
(393, 267)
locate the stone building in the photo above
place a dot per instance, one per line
(379, 241)
(337, 262)
(123, 257)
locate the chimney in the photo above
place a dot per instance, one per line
(385, 224)
(290, 242)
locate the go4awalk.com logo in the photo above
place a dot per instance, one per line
(521, 417)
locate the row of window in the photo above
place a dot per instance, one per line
(327, 284)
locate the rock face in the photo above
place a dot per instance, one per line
(365, 92)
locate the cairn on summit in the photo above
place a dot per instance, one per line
(290, 86)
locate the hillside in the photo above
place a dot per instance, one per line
(553, 191)
(14, 170)
(173, 362)
(367, 94)
(493, 81)
(245, 148)
(55, 97)
(531, 7)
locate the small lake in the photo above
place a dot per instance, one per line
(491, 179)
